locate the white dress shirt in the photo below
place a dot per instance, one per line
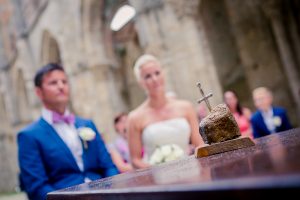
(268, 119)
(68, 134)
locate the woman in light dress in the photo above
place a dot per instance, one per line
(160, 119)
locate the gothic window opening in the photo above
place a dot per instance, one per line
(50, 50)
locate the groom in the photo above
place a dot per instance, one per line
(55, 152)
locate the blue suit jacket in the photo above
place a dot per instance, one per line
(47, 164)
(260, 128)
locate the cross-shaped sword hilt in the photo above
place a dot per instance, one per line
(204, 98)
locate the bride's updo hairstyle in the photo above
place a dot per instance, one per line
(140, 62)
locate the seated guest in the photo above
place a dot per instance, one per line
(267, 119)
(119, 150)
(59, 149)
(241, 114)
(159, 120)
(201, 111)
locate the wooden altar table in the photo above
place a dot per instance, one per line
(271, 168)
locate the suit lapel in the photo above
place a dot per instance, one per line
(79, 123)
(51, 131)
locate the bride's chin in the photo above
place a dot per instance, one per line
(156, 94)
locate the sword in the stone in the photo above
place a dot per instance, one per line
(204, 98)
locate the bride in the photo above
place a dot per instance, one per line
(160, 119)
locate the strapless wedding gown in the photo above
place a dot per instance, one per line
(171, 131)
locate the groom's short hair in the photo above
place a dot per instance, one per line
(38, 78)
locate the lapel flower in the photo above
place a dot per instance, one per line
(166, 153)
(86, 134)
(277, 121)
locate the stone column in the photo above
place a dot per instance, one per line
(272, 9)
(258, 51)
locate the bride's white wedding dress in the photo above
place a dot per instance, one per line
(171, 131)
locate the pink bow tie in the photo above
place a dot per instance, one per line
(69, 119)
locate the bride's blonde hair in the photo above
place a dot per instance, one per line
(140, 62)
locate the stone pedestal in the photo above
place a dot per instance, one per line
(221, 132)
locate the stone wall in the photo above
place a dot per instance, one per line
(181, 46)
(223, 45)
(8, 164)
(258, 52)
(83, 56)
(57, 35)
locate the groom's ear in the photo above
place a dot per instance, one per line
(38, 92)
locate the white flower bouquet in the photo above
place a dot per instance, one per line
(277, 121)
(166, 153)
(86, 134)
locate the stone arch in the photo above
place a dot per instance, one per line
(125, 47)
(91, 18)
(93, 31)
(102, 60)
(50, 53)
(50, 49)
(98, 40)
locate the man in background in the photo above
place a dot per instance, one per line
(267, 119)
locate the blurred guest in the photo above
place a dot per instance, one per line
(201, 111)
(241, 114)
(267, 119)
(159, 120)
(119, 150)
(59, 150)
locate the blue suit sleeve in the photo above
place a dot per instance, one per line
(105, 162)
(33, 175)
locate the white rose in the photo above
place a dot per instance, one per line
(166, 150)
(171, 157)
(178, 152)
(86, 134)
(156, 157)
(166, 153)
(277, 121)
